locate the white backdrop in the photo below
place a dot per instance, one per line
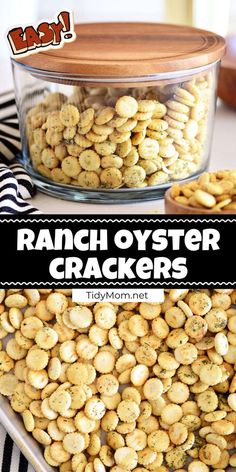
(210, 14)
(17, 12)
(110, 10)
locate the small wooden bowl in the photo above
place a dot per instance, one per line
(174, 208)
(227, 78)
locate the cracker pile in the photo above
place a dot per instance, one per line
(215, 191)
(110, 138)
(121, 387)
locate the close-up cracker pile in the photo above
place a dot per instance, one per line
(120, 387)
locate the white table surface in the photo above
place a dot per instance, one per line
(223, 156)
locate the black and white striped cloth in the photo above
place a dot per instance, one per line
(11, 459)
(15, 187)
(15, 184)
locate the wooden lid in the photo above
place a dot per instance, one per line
(129, 50)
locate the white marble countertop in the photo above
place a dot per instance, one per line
(223, 156)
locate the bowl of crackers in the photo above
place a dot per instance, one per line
(212, 192)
